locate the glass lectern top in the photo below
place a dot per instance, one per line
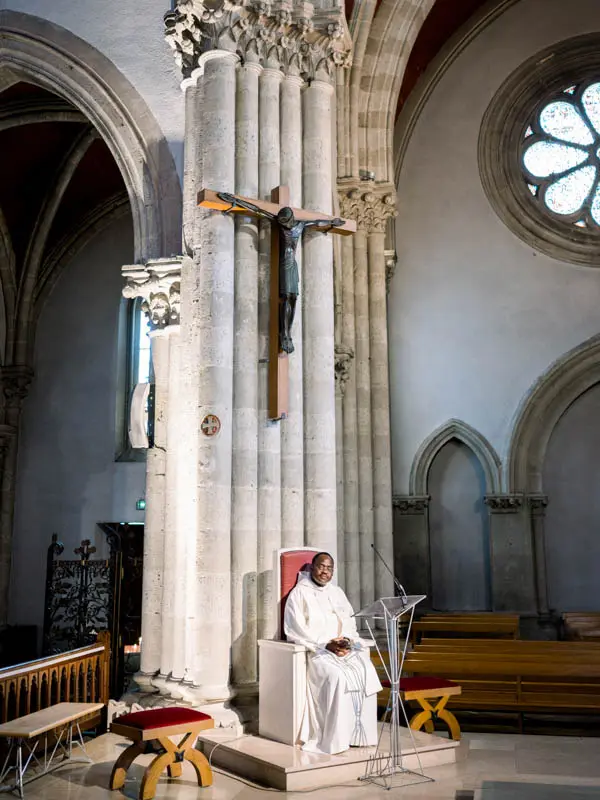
(387, 607)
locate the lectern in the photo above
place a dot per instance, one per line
(385, 764)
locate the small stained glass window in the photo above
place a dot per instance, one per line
(561, 155)
(142, 341)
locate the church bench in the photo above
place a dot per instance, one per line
(467, 615)
(576, 625)
(544, 682)
(466, 627)
(28, 732)
(505, 646)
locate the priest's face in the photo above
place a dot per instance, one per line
(322, 570)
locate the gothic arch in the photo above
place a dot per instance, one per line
(454, 429)
(40, 52)
(542, 407)
(392, 34)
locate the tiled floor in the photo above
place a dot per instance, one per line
(489, 767)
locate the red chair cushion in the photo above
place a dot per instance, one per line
(422, 683)
(290, 564)
(161, 717)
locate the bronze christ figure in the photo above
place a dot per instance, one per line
(289, 230)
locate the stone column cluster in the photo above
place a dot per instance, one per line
(158, 284)
(363, 359)
(226, 486)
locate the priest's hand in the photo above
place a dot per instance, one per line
(339, 647)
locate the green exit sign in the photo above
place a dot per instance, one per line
(140, 504)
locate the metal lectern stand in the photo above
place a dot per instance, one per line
(384, 765)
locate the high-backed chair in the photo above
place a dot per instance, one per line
(281, 664)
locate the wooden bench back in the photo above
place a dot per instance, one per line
(580, 625)
(504, 646)
(78, 676)
(466, 627)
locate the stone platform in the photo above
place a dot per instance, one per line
(288, 768)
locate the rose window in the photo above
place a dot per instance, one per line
(561, 155)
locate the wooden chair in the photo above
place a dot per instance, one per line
(150, 730)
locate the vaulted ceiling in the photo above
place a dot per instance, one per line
(59, 182)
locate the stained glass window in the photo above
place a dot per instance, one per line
(142, 346)
(561, 155)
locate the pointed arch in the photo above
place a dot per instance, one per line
(541, 408)
(40, 52)
(455, 429)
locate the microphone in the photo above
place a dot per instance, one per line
(397, 584)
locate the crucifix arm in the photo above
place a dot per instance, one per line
(324, 223)
(237, 201)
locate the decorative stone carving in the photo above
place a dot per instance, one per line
(7, 436)
(299, 40)
(158, 283)
(504, 503)
(411, 504)
(537, 504)
(343, 361)
(370, 204)
(391, 261)
(16, 380)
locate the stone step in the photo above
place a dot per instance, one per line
(289, 768)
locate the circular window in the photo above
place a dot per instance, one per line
(539, 151)
(560, 155)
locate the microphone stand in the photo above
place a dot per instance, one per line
(397, 584)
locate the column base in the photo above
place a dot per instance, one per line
(161, 683)
(224, 717)
(144, 681)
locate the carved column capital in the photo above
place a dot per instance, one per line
(296, 38)
(158, 282)
(537, 504)
(343, 362)
(369, 203)
(504, 503)
(16, 380)
(411, 503)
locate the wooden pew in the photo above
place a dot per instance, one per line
(579, 625)
(506, 646)
(547, 681)
(488, 625)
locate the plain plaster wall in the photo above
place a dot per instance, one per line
(572, 527)
(131, 35)
(458, 531)
(67, 477)
(475, 316)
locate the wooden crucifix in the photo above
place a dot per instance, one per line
(287, 226)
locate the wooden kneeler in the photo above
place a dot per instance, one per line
(424, 689)
(150, 731)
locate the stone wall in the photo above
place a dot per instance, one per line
(476, 317)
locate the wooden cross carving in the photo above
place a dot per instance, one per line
(287, 226)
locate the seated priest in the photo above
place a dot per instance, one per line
(340, 673)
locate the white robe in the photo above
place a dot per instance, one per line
(336, 716)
